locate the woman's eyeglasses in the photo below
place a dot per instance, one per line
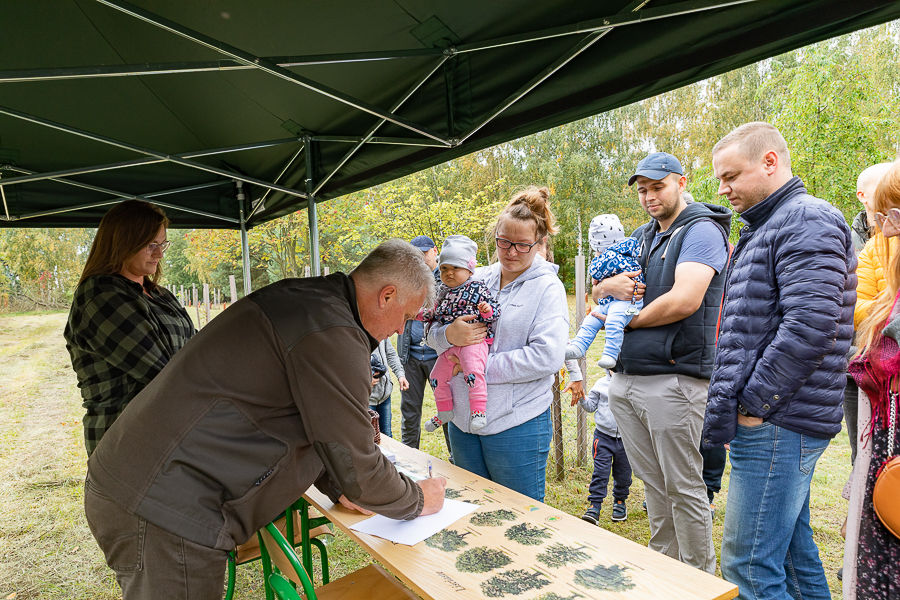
(521, 247)
(161, 247)
(893, 216)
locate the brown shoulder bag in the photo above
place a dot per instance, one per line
(886, 495)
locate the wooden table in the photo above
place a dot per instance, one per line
(526, 551)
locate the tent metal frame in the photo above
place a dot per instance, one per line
(592, 30)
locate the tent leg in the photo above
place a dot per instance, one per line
(245, 245)
(311, 211)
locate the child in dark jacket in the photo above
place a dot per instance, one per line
(609, 455)
(460, 295)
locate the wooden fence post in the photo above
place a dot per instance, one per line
(306, 271)
(558, 454)
(233, 288)
(206, 300)
(196, 302)
(581, 432)
(327, 271)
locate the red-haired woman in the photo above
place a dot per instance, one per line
(872, 552)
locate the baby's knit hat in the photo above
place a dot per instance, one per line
(459, 251)
(605, 230)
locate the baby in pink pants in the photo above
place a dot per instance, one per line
(460, 295)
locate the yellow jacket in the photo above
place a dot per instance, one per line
(870, 274)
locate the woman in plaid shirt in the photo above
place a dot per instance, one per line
(123, 328)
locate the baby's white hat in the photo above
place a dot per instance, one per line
(605, 230)
(459, 251)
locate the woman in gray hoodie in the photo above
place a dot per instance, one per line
(529, 346)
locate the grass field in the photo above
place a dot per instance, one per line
(48, 552)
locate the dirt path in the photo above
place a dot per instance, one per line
(47, 549)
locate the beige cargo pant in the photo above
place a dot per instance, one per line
(660, 418)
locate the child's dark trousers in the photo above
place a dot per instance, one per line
(609, 455)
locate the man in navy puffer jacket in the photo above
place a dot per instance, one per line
(780, 371)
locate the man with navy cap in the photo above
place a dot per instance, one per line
(418, 360)
(658, 390)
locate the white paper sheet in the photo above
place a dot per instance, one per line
(412, 532)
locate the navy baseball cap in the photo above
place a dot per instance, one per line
(657, 166)
(423, 243)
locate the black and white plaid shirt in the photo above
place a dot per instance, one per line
(119, 339)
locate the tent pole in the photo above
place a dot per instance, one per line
(368, 137)
(141, 70)
(148, 161)
(134, 148)
(5, 206)
(245, 245)
(267, 67)
(119, 196)
(311, 210)
(261, 203)
(558, 64)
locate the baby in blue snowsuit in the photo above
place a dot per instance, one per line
(613, 254)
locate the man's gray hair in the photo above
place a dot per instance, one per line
(754, 140)
(397, 262)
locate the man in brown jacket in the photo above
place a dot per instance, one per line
(267, 399)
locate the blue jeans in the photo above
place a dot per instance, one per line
(616, 321)
(384, 416)
(515, 458)
(767, 547)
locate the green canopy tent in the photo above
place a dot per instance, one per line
(233, 113)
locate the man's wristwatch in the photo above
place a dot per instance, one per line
(743, 411)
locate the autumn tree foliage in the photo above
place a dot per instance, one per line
(43, 266)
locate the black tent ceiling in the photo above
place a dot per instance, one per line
(177, 101)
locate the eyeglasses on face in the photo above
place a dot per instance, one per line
(153, 247)
(893, 216)
(521, 247)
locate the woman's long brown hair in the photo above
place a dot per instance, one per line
(128, 228)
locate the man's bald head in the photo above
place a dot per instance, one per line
(866, 184)
(871, 177)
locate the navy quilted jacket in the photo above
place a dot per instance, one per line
(787, 319)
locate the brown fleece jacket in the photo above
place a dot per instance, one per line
(267, 399)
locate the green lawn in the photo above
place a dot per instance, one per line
(48, 551)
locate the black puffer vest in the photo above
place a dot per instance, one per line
(686, 347)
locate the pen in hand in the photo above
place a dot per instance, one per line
(429, 469)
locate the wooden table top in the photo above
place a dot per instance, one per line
(516, 548)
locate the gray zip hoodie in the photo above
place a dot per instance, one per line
(529, 347)
(597, 402)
